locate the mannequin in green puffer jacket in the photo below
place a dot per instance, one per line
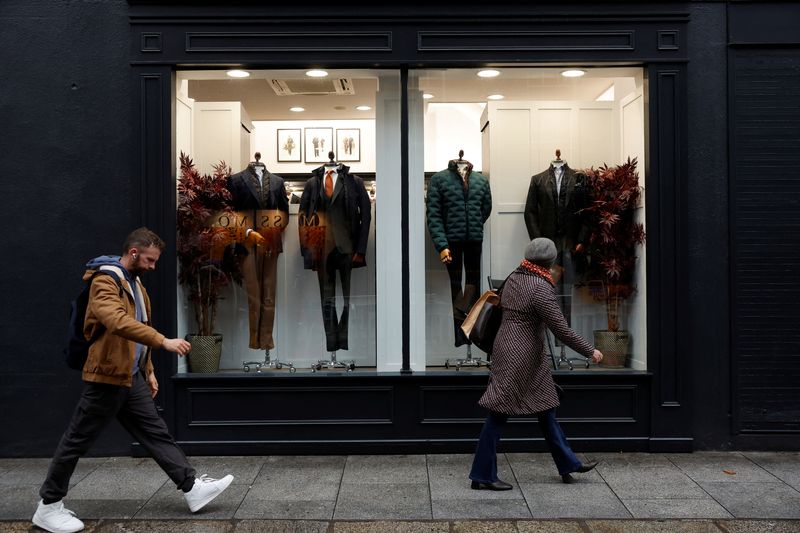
(459, 203)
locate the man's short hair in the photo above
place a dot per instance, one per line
(142, 238)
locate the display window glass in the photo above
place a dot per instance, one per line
(277, 248)
(520, 153)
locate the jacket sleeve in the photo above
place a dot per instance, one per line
(306, 205)
(365, 213)
(435, 215)
(486, 203)
(546, 306)
(531, 208)
(281, 199)
(109, 307)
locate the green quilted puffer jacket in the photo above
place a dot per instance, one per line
(455, 215)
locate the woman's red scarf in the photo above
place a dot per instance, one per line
(538, 270)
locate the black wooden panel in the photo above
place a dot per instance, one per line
(234, 406)
(764, 23)
(765, 219)
(525, 40)
(287, 42)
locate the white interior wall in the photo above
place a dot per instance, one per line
(450, 128)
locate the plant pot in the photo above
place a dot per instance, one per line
(205, 354)
(615, 346)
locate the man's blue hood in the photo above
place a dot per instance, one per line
(97, 262)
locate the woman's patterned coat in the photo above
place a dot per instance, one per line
(520, 382)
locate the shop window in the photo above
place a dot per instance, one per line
(293, 254)
(503, 139)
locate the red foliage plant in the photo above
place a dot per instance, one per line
(614, 194)
(200, 197)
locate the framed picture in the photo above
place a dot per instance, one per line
(318, 142)
(348, 144)
(289, 149)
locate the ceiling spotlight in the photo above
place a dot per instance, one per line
(573, 73)
(363, 107)
(297, 109)
(488, 73)
(236, 73)
(427, 96)
(495, 97)
(316, 73)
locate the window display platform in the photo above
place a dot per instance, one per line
(369, 412)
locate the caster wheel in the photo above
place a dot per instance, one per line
(458, 368)
(246, 368)
(278, 366)
(351, 367)
(317, 367)
(292, 370)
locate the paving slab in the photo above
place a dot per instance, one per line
(296, 485)
(587, 500)
(383, 526)
(281, 526)
(676, 508)
(759, 526)
(105, 508)
(651, 482)
(484, 527)
(783, 465)
(549, 526)
(480, 509)
(540, 468)
(244, 469)
(121, 480)
(721, 467)
(285, 509)
(33, 471)
(642, 460)
(173, 526)
(18, 502)
(756, 500)
(449, 479)
(371, 501)
(385, 469)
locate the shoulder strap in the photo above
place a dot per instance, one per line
(110, 271)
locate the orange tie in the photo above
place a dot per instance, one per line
(329, 183)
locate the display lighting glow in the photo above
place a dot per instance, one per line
(236, 73)
(316, 73)
(488, 73)
(363, 107)
(297, 109)
(427, 96)
(573, 73)
(495, 97)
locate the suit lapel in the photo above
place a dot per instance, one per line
(338, 187)
(251, 180)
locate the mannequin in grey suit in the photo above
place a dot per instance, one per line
(555, 197)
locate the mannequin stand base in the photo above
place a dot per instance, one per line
(266, 364)
(470, 361)
(333, 363)
(563, 359)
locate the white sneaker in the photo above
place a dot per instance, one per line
(204, 490)
(56, 518)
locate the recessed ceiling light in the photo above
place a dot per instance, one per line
(316, 73)
(495, 97)
(237, 73)
(488, 73)
(573, 73)
(363, 107)
(297, 109)
(427, 96)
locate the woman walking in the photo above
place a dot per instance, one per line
(520, 382)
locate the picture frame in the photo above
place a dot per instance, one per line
(348, 144)
(289, 146)
(318, 142)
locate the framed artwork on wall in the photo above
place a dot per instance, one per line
(289, 149)
(348, 144)
(318, 142)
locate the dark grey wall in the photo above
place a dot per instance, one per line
(708, 278)
(66, 150)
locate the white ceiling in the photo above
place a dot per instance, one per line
(447, 85)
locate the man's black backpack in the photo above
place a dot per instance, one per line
(77, 349)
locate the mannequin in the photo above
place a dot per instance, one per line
(459, 203)
(343, 209)
(555, 197)
(260, 200)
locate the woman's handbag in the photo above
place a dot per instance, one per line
(483, 319)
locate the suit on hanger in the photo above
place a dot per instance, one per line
(553, 212)
(256, 200)
(346, 217)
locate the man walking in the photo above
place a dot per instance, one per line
(119, 382)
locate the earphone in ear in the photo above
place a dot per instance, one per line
(134, 256)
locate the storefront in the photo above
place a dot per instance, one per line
(344, 338)
(320, 352)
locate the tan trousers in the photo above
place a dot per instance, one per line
(260, 278)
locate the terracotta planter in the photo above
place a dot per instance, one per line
(205, 354)
(615, 346)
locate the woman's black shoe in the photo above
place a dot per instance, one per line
(495, 485)
(588, 466)
(566, 478)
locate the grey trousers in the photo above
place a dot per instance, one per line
(136, 411)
